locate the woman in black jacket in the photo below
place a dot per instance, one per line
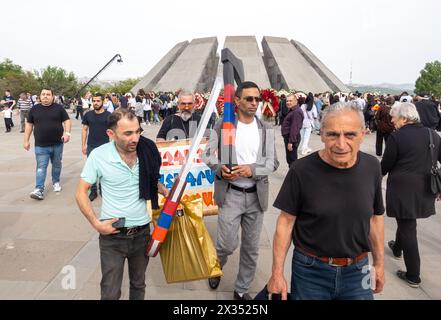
(407, 160)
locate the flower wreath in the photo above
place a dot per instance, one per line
(198, 101)
(220, 103)
(270, 102)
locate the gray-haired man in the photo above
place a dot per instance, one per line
(332, 236)
(182, 125)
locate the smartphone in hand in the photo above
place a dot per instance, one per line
(119, 224)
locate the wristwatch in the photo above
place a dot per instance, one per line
(67, 133)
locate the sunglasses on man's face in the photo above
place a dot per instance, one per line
(185, 104)
(250, 99)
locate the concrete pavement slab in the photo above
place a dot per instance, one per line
(36, 260)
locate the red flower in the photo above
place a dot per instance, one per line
(270, 102)
(220, 104)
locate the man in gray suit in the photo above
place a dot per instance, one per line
(242, 192)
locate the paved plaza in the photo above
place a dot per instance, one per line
(42, 241)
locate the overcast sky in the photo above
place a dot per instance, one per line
(386, 41)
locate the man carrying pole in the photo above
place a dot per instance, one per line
(242, 164)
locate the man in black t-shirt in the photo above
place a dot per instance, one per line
(51, 125)
(332, 233)
(9, 101)
(182, 125)
(94, 133)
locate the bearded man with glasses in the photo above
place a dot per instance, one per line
(183, 124)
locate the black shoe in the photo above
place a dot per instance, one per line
(402, 275)
(93, 196)
(243, 296)
(214, 282)
(391, 245)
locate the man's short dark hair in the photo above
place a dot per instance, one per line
(47, 89)
(245, 85)
(98, 94)
(118, 114)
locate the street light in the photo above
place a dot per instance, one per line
(119, 60)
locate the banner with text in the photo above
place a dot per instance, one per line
(200, 179)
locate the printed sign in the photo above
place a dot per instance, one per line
(200, 179)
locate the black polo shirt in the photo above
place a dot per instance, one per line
(333, 207)
(48, 124)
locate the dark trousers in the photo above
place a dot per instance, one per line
(8, 124)
(406, 241)
(276, 119)
(93, 188)
(379, 143)
(79, 113)
(291, 156)
(114, 250)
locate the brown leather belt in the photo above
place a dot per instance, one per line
(337, 262)
(343, 262)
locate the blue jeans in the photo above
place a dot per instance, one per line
(312, 279)
(43, 155)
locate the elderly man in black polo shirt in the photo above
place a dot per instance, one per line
(332, 234)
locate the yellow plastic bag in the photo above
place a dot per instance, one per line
(188, 252)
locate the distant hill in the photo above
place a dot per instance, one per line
(383, 88)
(99, 82)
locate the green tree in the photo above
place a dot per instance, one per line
(430, 79)
(18, 83)
(95, 88)
(7, 67)
(124, 86)
(59, 80)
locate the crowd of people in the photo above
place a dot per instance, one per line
(149, 108)
(332, 237)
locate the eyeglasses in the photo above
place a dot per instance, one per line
(250, 99)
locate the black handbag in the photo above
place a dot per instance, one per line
(435, 171)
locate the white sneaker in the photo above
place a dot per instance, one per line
(57, 187)
(37, 194)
